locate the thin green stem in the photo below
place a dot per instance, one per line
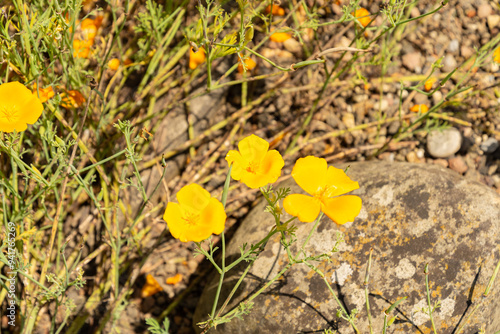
(431, 310)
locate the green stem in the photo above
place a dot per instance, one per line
(426, 271)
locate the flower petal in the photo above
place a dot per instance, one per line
(342, 209)
(18, 106)
(173, 217)
(253, 148)
(271, 166)
(193, 198)
(341, 183)
(310, 173)
(253, 180)
(306, 208)
(214, 217)
(238, 162)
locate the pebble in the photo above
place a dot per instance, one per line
(445, 143)
(493, 21)
(458, 165)
(466, 51)
(489, 146)
(348, 120)
(437, 97)
(484, 10)
(441, 162)
(413, 61)
(387, 156)
(412, 157)
(449, 63)
(454, 45)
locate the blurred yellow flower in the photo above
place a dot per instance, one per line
(323, 183)
(363, 14)
(254, 165)
(277, 10)
(280, 37)
(81, 48)
(72, 99)
(249, 64)
(196, 58)
(45, 93)
(174, 279)
(150, 287)
(196, 216)
(114, 64)
(429, 83)
(496, 56)
(18, 107)
(420, 107)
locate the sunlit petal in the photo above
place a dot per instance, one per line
(342, 209)
(339, 182)
(304, 207)
(18, 107)
(213, 216)
(310, 173)
(239, 163)
(271, 166)
(253, 148)
(173, 217)
(194, 197)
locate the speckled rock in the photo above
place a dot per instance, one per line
(412, 214)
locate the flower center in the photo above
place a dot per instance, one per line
(252, 167)
(10, 113)
(191, 218)
(325, 192)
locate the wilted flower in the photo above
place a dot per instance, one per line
(277, 10)
(45, 93)
(249, 64)
(150, 287)
(114, 64)
(72, 99)
(323, 183)
(496, 56)
(429, 83)
(254, 165)
(196, 58)
(196, 216)
(280, 37)
(18, 107)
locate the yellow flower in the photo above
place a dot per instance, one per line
(323, 183)
(420, 107)
(113, 64)
(196, 216)
(18, 107)
(496, 56)
(254, 165)
(196, 58)
(81, 49)
(429, 83)
(151, 287)
(280, 37)
(72, 99)
(249, 64)
(45, 93)
(363, 14)
(277, 10)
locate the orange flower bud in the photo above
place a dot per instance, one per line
(420, 107)
(363, 14)
(249, 64)
(113, 64)
(277, 10)
(428, 84)
(280, 37)
(196, 58)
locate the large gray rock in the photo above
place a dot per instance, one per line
(412, 214)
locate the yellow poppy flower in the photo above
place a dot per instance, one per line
(280, 37)
(18, 107)
(254, 165)
(151, 287)
(196, 58)
(420, 107)
(363, 14)
(196, 216)
(45, 93)
(323, 183)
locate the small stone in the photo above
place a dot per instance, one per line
(437, 97)
(458, 165)
(441, 162)
(293, 46)
(420, 153)
(443, 144)
(470, 13)
(484, 10)
(454, 45)
(489, 146)
(449, 63)
(348, 120)
(466, 51)
(387, 156)
(413, 61)
(414, 12)
(412, 157)
(493, 21)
